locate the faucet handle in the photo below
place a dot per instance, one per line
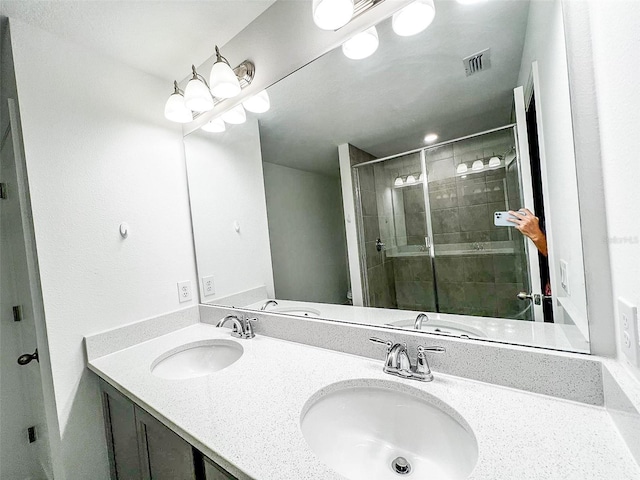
(388, 343)
(422, 349)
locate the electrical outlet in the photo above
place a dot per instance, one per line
(184, 291)
(564, 276)
(629, 327)
(208, 287)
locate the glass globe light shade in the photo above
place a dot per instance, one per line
(176, 111)
(477, 165)
(332, 14)
(235, 116)
(197, 96)
(216, 125)
(462, 168)
(413, 18)
(410, 179)
(398, 182)
(494, 162)
(259, 103)
(223, 81)
(361, 45)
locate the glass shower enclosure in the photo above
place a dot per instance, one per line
(426, 231)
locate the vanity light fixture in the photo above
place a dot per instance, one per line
(215, 125)
(430, 138)
(413, 18)
(462, 168)
(332, 14)
(197, 96)
(235, 116)
(477, 166)
(223, 80)
(259, 103)
(398, 182)
(361, 45)
(494, 162)
(175, 109)
(420, 177)
(410, 179)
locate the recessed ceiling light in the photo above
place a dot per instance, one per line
(430, 137)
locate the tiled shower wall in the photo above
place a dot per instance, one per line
(381, 287)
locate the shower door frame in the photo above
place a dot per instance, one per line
(524, 176)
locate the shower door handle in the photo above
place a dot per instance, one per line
(536, 297)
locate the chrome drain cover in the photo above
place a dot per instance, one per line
(401, 466)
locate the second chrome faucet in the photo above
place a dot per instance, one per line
(398, 363)
(242, 327)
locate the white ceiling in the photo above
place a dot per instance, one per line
(411, 85)
(162, 38)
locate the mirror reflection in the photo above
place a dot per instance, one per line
(379, 188)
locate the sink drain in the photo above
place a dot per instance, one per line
(401, 466)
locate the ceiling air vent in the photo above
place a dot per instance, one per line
(477, 62)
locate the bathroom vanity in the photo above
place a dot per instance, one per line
(284, 410)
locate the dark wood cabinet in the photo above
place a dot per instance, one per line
(143, 448)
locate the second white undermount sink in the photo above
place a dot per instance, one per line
(196, 359)
(378, 430)
(442, 327)
(299, 311)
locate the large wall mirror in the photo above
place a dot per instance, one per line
(374, 190)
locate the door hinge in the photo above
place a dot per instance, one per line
(3, 191)
(17, 313)
(31, 433)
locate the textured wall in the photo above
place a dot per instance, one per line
(98, 152)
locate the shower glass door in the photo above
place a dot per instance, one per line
(479, 268)
(395, 261)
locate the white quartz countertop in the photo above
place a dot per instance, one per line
(248, 415)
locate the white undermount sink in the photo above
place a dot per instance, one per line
(372, 429)
(299, 311)
(442, 327)
(196, 359)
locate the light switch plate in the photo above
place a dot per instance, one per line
(208, 286)
(628, 319)
(184, 291)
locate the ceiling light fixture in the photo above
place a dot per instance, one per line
(361, 45)
(223, 80)
(215, 125)
(259, 103)
(430, 137)
(332, 14)
(235, 116)
(197, 96)
(175, 109)
(413, 18)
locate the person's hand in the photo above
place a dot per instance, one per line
(527, 223)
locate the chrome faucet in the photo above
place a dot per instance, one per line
(420, 319)
(267, 303)
(398, 363)
(242, 327)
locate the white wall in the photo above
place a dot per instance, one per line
(616, 42)
(226, 188)
(98, 152)
(308, 242)
(545, 44)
